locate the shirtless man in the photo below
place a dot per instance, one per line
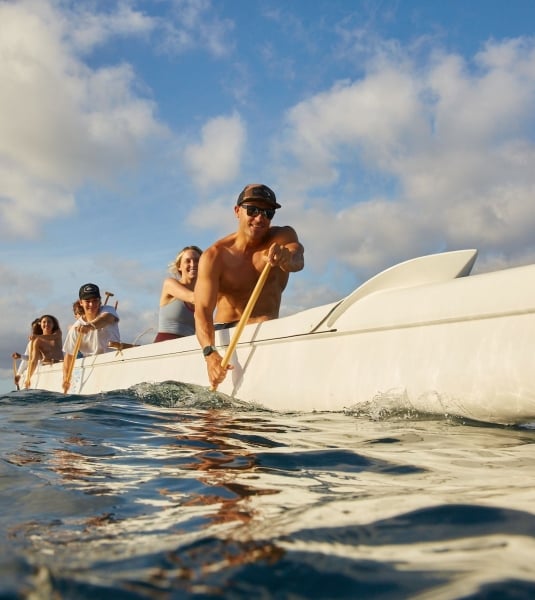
(230, 268)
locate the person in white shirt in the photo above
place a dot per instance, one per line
(98, 327)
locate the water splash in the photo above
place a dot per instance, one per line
(171, 394)
(385, 405)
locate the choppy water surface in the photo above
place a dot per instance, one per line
(170, 492)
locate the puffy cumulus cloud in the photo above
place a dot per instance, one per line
(63, 123)
(454, 137)
(373, 116)
(216, 159)
(364, 237)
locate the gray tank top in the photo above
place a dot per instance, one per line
(176, 318)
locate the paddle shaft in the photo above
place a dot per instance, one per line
(245, 316)
(70, 369)
(15, 373)
(30, 360)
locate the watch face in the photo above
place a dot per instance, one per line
(207, 350)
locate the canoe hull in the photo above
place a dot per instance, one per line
(459, 346)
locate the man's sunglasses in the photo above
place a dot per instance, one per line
(254, 211)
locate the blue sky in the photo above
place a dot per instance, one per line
(388, 129)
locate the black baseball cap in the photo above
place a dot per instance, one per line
(88, 291)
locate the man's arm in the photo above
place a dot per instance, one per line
(206, 292)
(106, 316)
(287, 252)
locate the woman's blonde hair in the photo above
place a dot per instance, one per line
(174, 267)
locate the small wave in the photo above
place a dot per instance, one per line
(171, 394)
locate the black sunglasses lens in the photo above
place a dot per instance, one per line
(254, 211)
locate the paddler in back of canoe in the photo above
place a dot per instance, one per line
(98, 326)
(45, 347)
(230, 268)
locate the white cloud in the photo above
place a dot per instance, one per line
(372, 117)
(63, 122)
(88, 29)
(195, 24)
(453, 138)
(217, 158)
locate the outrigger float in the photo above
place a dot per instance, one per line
(423, 334)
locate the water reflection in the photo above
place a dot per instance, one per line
(219, 463)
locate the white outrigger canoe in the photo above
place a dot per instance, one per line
(424, 334)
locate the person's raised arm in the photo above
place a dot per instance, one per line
(286, 252)
(175, 289)
(106, 316)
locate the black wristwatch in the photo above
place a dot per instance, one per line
(207, 350)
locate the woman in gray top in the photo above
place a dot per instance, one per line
(175, 318)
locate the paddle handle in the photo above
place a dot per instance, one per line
(245, 317)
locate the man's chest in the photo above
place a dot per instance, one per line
(240, 273)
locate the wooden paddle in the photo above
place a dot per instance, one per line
(245, 317)
(15, 372)
(30, 359)
(70, 368)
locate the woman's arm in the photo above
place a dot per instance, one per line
(172, 288)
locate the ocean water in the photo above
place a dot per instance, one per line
(168, 491)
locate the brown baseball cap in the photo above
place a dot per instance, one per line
(258, 191)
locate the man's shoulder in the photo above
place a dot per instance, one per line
(279, 228)
(217, 249)
(224, 242)
(285, 232)
(109, 309)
